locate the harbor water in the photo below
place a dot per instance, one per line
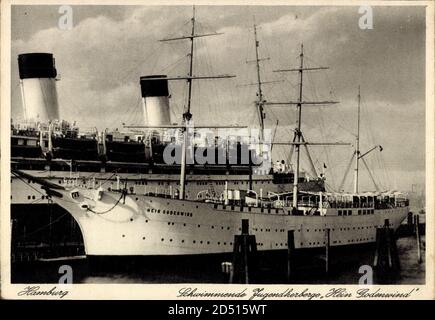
(344, 270)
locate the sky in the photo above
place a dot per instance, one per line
(101, 59)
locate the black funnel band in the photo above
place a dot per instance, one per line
(154, 88)
(36, 65)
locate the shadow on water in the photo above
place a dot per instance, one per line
(270, 269)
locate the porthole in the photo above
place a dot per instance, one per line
(163, 239)
(143, 238)
(123, 235)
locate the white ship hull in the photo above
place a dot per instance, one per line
(139, 225)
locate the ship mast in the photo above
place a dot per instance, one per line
(357, 151)
(357, 155)
(187, 115)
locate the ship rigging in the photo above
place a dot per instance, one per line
(115, 222)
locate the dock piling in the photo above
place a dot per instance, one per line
(327, 249)
(378, 247)
(410, 223)
(290, 254)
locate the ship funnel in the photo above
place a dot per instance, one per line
(155, 100)
(38, 86)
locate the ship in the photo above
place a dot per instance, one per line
(117, 221)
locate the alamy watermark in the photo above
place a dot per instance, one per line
(227, 146)
(66, 272)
